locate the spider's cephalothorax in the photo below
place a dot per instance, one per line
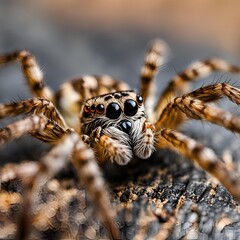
(112, 127)
(120, 116)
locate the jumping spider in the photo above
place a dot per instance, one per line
(92, 119)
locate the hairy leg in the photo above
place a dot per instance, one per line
(143, 141)
(195, 105)
(153, 60)
(32, 73)
(34, 106)
(109, 146)
(203, 156)
(180, 83)
(36, 174)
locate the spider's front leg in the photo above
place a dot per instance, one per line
(46, 124)
(119, 146)
(143, 138)
(109, 145)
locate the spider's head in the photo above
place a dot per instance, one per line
(118, 109)
(120, 118)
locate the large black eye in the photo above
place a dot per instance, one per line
(113, 111)
(130, 107)
(125, 126)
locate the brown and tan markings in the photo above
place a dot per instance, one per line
(94, 119)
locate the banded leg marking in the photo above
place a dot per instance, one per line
(153, 60)
(180, 83)
(32, 73)
(34, 106)
(194, 105)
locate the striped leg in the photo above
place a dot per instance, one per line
(54, 127)
(84, 161)
(180, 83)
(108, 145)
(215, 92)
(89, 172)
(32, 72)
(204, 157)
(39, 126)
(144, 141)
(34, 106)
(153, 60)
(193, 105)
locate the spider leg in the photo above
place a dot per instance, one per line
(194, 105)
(34, 106)
(88, 171)
(215, 92)
(180, 83)
(144, 142)
(32, 124)
(108, 145)
(45, 123)
(203, 156)
(153, 60)
(32, 73)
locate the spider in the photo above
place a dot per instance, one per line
(93, 119)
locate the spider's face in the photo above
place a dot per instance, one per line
(118, 109)
(120, 118)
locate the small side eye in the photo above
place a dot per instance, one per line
(113, 111)
(86, 109)
(130, 107)
(93, 108)
(139, 99)
(100, 108)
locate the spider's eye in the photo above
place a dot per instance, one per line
(113, 111)
(130, 107)
(86, 109)
(93, 108)
(139, 99)
(100, 108)
(125, 126)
